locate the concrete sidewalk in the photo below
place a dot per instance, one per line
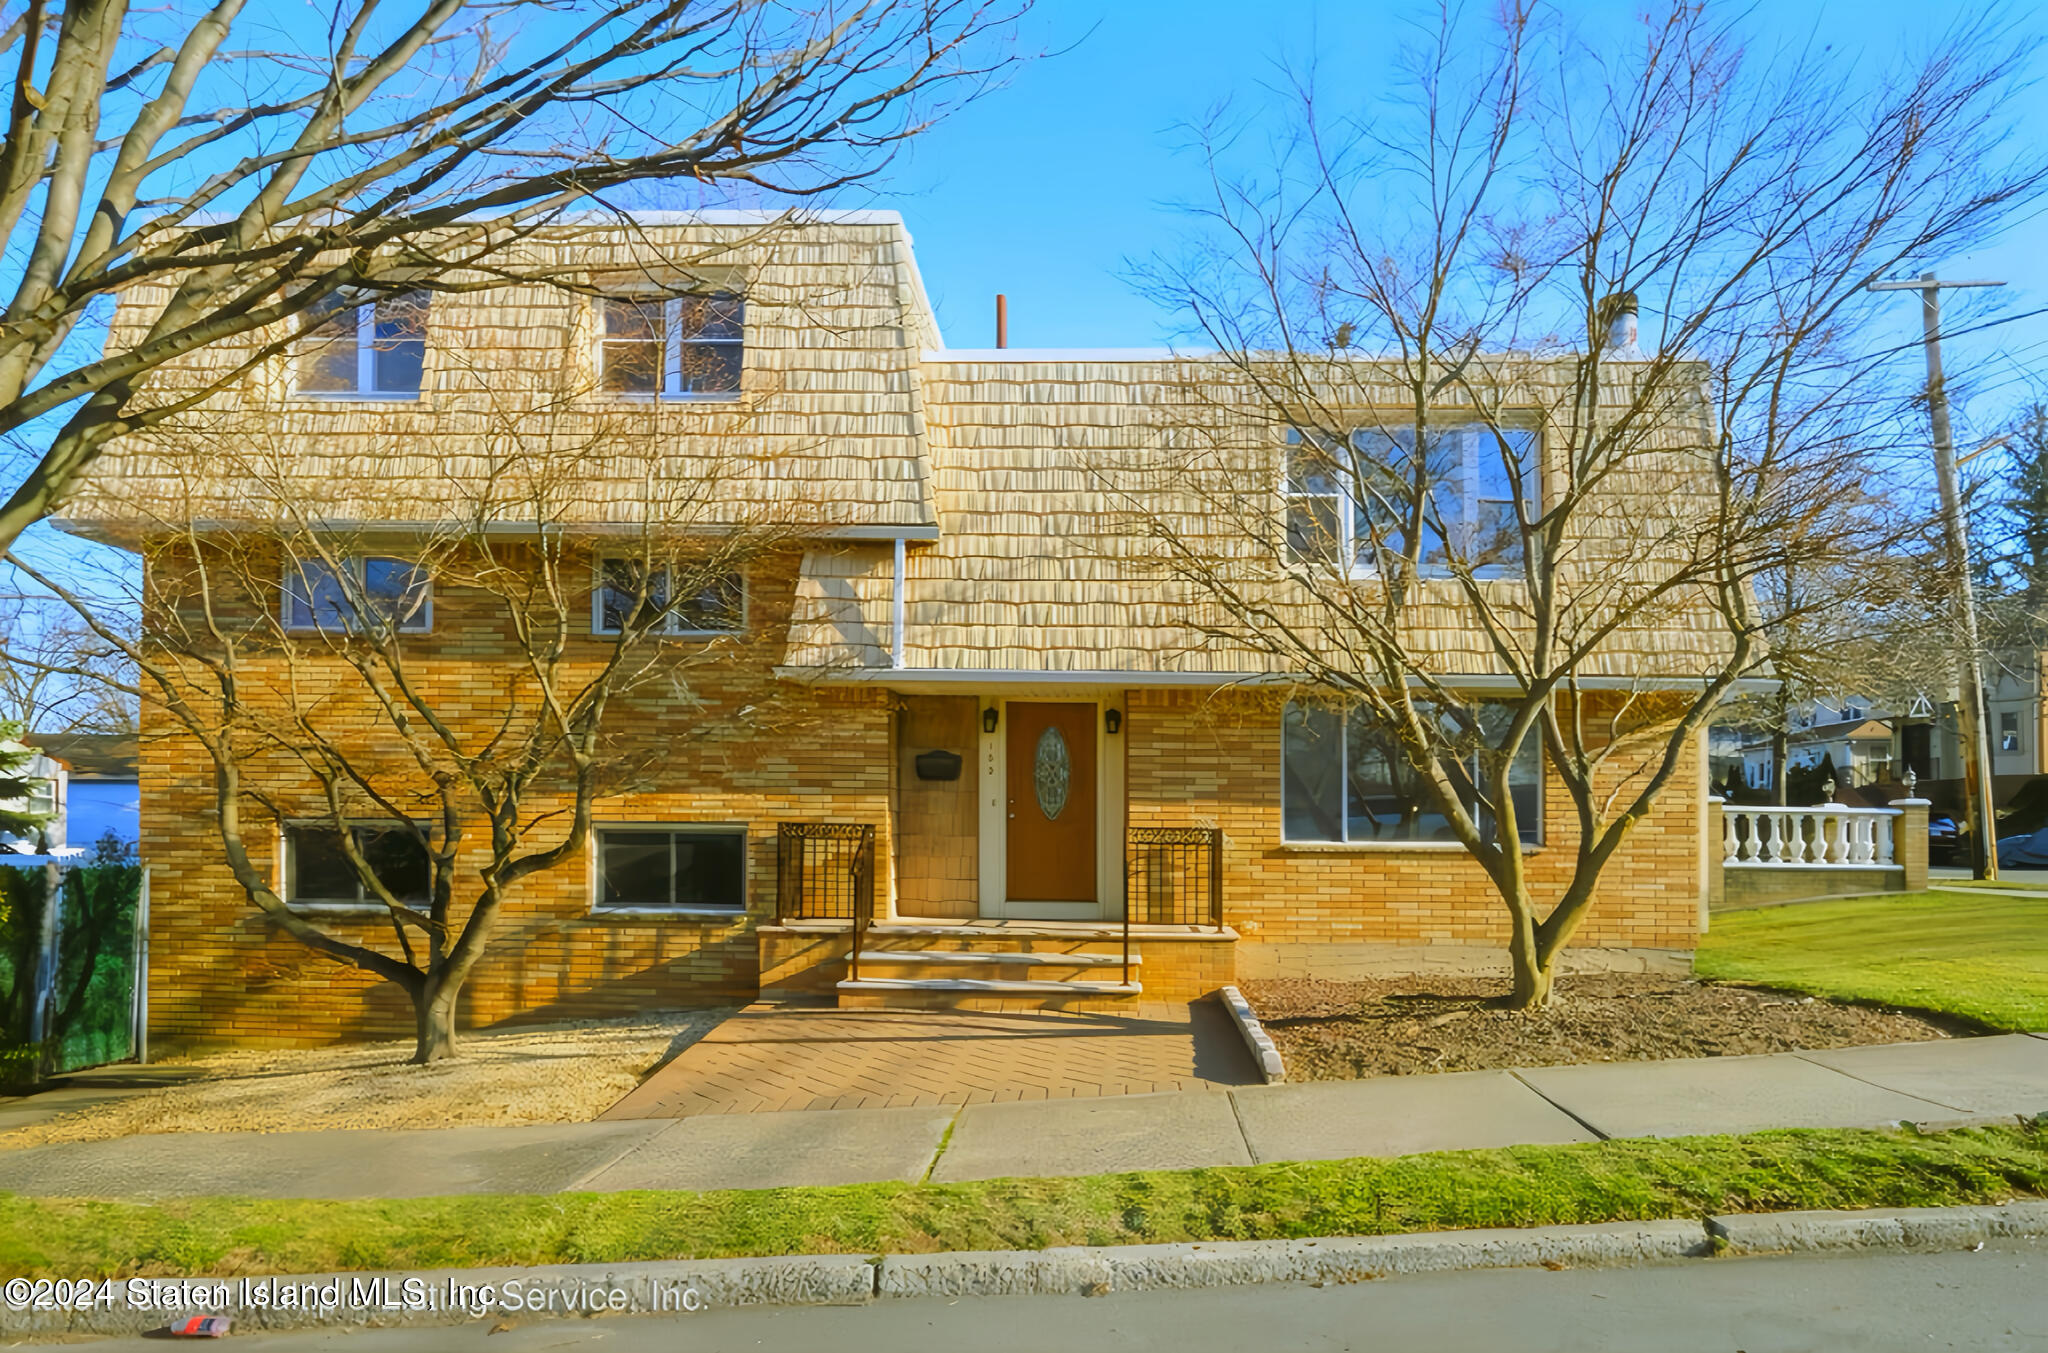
(1930, 1083)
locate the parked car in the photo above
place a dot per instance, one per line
(2029, 851)
(1945, 843)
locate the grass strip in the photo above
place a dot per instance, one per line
(1518, 1186)
(1981, 958)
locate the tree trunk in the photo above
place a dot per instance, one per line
(1778, 758)
(1533, 976)
(433, 1008)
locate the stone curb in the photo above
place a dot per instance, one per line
(1890, 1228)
(1264, 1051)
(1081, 1271)
(463, 1296)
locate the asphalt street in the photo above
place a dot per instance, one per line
(1995, 1298)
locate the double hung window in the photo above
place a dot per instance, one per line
(375, 351)
(680, 347)
(1358, 502)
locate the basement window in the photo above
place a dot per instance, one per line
(672, 868)
(679, 347)
(1346, 779)
(318, 872)
(375, 351)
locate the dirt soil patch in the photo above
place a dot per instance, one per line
(564, 1073)
(1402, 1026)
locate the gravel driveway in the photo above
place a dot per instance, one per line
(567, 1073)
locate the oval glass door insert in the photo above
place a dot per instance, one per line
(1052, 772)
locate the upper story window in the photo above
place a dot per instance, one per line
(1350, 500)
(371, 352)
(679, 347)
(1346, 778)
(716, 606)
(398, 593)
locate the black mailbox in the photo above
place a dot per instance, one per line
(938, 765)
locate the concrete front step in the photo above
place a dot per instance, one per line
(987, 985)
(1003, 958)
(972, 993)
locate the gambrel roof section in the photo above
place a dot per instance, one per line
(1059, 477)
(827, 433)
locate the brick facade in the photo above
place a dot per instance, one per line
(736, 747)
(1213, 760)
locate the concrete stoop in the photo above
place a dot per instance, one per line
(459, 1296)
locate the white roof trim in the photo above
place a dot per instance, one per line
(101, 529)
(994, 676)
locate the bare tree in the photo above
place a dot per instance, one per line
(1550, 366)
(45, 641)
(327, 709)
(253, 175)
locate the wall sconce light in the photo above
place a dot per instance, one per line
(989, 719)
(1113, 720)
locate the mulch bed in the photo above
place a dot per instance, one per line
(1408, 1025)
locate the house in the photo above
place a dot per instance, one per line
(45, 778)
(1861, 744)
(100, 793)
(994, 726)
(86, 783)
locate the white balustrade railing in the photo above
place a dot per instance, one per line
(1829, 835)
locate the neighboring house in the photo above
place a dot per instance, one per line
(88, 785)
(1861, 743)
(973, 673)
(45, 777)
(1877, 746)
(102, 789)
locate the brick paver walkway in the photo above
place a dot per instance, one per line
(777, 1057)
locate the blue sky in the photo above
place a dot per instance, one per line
(1050, 188)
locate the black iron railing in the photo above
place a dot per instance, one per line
(1174, 876)
(824, 871)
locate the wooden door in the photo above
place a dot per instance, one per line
(1051, 774)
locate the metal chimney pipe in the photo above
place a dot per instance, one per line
(1002, 320)
(1619, 310)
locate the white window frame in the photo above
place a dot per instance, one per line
(365, 316)
(1346, 503)
(672, 344)
(1533, 843)
(288, 868)
(297, 571)
(671, 624)
(599, 907)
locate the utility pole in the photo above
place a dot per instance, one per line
(1973, 719)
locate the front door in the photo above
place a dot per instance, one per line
(1051, 762)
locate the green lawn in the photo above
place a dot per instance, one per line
(1982, 958)
(1520, 1186)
